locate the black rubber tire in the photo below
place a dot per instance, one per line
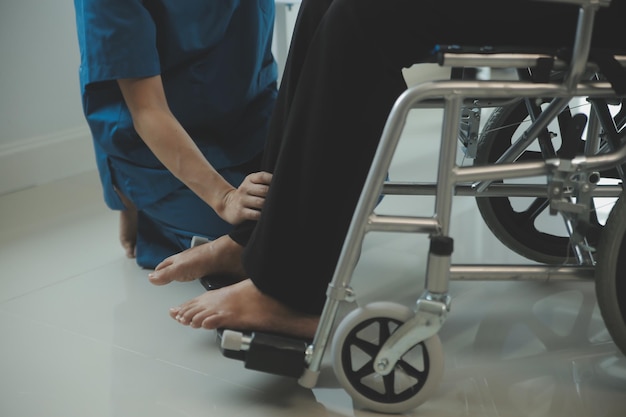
(610, 274)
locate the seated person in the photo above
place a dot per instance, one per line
(342, 77)
(178, 97)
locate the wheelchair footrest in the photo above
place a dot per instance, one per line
(265, 352)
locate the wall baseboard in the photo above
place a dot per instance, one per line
(40, 160)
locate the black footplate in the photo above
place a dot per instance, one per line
(265, 352)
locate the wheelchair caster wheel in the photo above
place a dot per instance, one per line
(358, 340)
(610, 276)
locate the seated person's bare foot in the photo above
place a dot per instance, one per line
(242, 306)
(128, 231)
(220, 256)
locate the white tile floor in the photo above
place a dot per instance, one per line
(83, 333)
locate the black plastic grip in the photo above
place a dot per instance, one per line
(441, 245)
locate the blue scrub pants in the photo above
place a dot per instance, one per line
(167, 226)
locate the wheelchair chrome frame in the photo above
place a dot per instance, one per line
(433, 305)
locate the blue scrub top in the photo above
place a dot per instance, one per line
(218, 72)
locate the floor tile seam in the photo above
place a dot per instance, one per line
(103, 343)
(52, 284)
(208, 374)
(55, 326)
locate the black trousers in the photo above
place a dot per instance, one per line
(342, 76)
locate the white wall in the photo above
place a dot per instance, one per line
(43, 135)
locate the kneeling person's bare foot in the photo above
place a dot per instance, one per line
(128, 226)
(242, 306)
(128, 232)
(220, 256)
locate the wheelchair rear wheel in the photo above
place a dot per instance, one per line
(524, 224)
(610, 279)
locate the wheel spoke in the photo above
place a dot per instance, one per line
(533, 211)
(365, 370)
(384, 331)
(411, 370)
(389, 381)
(369, 348)
(530, 156)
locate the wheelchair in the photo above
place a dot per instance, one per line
(552, 146)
